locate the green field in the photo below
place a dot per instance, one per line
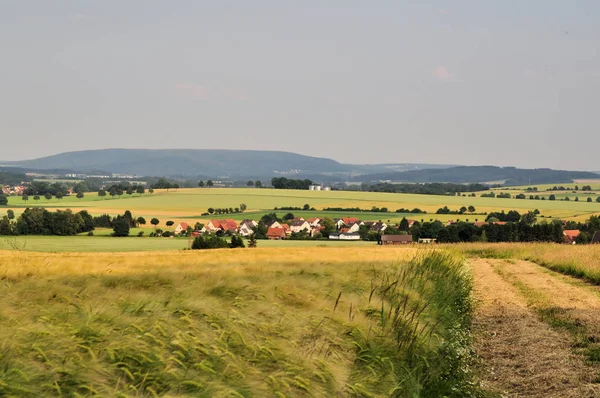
(59, 244)
(188, 204)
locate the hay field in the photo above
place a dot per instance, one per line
(231, 323)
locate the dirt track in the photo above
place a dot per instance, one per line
(523, 356)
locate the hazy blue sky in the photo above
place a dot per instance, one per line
(463, 82)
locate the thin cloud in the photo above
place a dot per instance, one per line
(442, 73)
(192, 90)
(441, 11)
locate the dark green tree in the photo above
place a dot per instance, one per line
(250, 183)
(201, 184)
(471, 209)
(169, 223)
(121, 228)
(36, 197)
(140, 190)
(59, 195)
(211, 210)
(258, 184)
(243, 207)
(252, 241)
(10, 214)
(403, 224)
(552, 197)
(154, 222)
(141, 221)
(25, 197)
(48, 196)
(80, 195)
(209, 183)
(101, 193)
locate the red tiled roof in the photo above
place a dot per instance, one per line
(344, 230)
(350, 220)
(276, 232)
(571, 234)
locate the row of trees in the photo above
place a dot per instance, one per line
(117, 190)
(425, 189)
(39, 221)
(226, 210)
(287, 183)
(462, 210)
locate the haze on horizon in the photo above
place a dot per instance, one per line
(510, 83)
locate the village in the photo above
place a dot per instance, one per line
(346, 229)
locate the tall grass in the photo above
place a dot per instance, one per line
(580, 261)
(297, 322)
(418, 343)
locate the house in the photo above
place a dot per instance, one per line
(246, 227)
(596, 237)
(354, 227)
(570, 235)
(286, 228)
(344, 236)
(378, 227)
(427, 240)
(273, 224)
(299, 225)
(314, 222)
(220, 225)
(396, 239)
(276, 233)
(346, 221)
(181, 227)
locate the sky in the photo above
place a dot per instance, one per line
(503, 82)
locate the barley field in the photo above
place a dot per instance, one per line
(236, 323)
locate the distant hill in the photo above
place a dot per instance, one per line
(205, 162)
(184, 162)
(242, 164)
(472, 174)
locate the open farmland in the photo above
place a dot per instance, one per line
(189, 204)
(262, 322)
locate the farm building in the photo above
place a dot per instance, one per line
(427, 240)
(396, 239)
(344, 236)
(596, 237)
(570, 235)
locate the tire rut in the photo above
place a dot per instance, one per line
(523, 356)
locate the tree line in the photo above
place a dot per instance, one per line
(424, 189)
(287, 183)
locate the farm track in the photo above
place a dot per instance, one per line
(522, 355)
